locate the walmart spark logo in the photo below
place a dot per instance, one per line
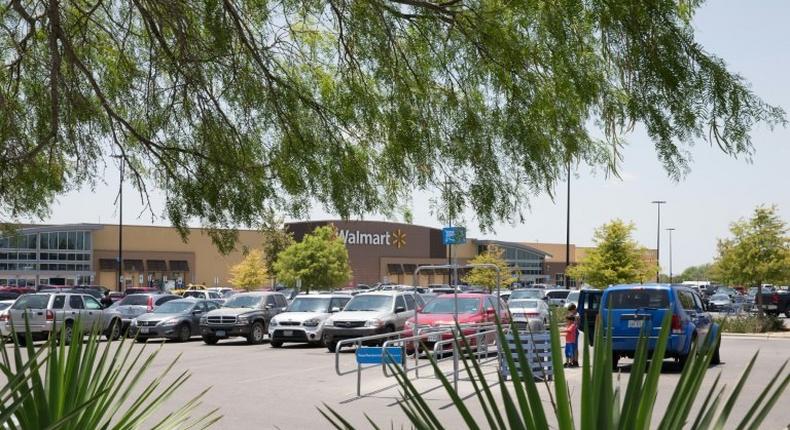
(398, 238)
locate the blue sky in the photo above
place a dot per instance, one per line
(752, 37)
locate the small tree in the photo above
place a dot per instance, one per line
(320, 260)
(486, 277)
(616, 259)
(250, 273)
(703, 272)
(757, 253)
(276, 239)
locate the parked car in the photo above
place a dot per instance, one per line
(556, 297)
(775, 302)
(49, 313)
(573, 298)
(528, 293)
(530, 314)
(134, 305)
(245, 314)
(177, 319)
(97, 291)
(370, 313)
(439, 315)
(11, 293)
(203, 295)
(4, 305)
(116, 296)
(632, 306)
(720, 302)
(303, 321)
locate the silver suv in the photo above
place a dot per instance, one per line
(303, 321)
(49, 313)
(371, 313)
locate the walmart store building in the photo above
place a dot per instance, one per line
(88, 254)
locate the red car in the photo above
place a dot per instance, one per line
(473, 308)
(11, 293)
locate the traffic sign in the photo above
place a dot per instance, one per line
(454, 235)
(376, 355)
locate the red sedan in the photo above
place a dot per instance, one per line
(439, 314)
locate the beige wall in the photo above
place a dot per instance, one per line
(164, 243)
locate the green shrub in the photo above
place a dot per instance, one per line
(751, 323)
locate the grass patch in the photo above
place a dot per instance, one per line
(751, 324)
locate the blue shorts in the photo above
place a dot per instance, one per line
(570, 349)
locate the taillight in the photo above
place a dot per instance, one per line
(4, 317)
(150, 304)
(50, 315)
(531, 315)
(676, 326)
(775, 298)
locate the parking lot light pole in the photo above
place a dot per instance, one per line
(670, 230)
(120, 224)
(658, 204)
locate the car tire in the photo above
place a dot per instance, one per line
(276, 343)
(256, 333)
(141, 339)
(210, 340)
(114, 331)
(68, 333)
(387, 329)
(331, 345)
(615, 360)
(184, 332)
(716, 359)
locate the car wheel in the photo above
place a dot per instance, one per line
(210, 340)
(331, 345)
(68, 333)
(615, 360)
(114, 331)
(256, 333)
(276, 343)
(184, 332)
(787, 313)
(387, 329)
(716, 359)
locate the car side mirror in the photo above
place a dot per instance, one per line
(490, 311)
(400, 309)
(267, 307)
(334, 310)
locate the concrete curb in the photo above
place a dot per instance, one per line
(770, 335)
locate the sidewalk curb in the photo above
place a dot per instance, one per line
(770, 335)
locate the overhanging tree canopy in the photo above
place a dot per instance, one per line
(232, 107)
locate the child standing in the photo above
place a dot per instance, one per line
(572, 312)
(571, 336)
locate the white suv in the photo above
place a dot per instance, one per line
(371, 313)
(303, 321)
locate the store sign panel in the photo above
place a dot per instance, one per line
(396, 238)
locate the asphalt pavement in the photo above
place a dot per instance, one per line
(256, 386)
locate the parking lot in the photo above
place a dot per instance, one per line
(281, 388)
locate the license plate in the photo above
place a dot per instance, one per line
(220, 332)
(288, 333)
(770, 307)
(143, 330)
(635, 323)
(434, 338)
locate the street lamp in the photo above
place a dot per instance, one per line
(120, 224)
(670, 230)
(658, 204)
(568, 229)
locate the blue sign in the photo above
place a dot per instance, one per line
(454, 235)
(375, 355)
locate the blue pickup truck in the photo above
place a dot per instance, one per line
(631, 306)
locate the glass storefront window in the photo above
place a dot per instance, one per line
(31, 241)
(44, 241)
(3, 242)
(80, 240)
(63, 240)
(87, 241)
(72, 241)
(53, 241)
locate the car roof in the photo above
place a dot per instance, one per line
(323, 296)
(384, 293)
(462, 296)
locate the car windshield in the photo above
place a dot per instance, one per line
(4, 306)
(720, 297)
(195, 294)
(573, 296)
(309, 304)
(557, 294)
(174, 307)
(530, 304)
(526, 294)
(31, 302)
(134, 300)
(638, 299)
(243, 301)
(446, 305)
(370, 303)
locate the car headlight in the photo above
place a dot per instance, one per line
(204, 319)
(273, 322)
(242, 320)
(329, 323)
(311, 323)
(170, 322)
(374, 323)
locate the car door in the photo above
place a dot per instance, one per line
(699, 317)
(94, 312)
(77, 307)
(589, 306)
(269, 307)
(281, 302)
(197, 312)
(401, 312)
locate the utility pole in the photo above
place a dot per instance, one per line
(120, 225)
(568, 230)
(670, 230)
(658, 204)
